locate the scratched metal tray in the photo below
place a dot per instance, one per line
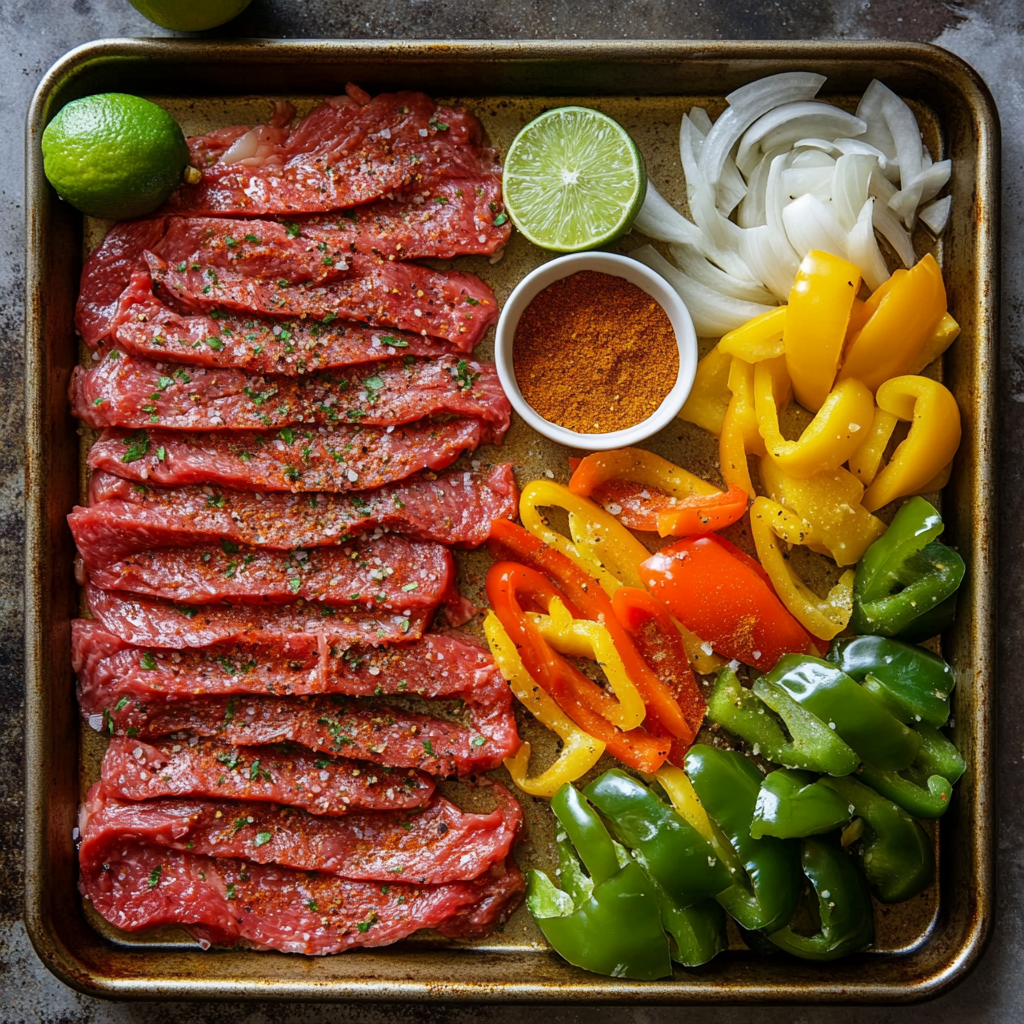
(923, 946)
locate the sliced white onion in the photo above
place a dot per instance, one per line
(810, 224)
(811, 158)
(731, 187)
(713, 313)
(701, 119)
(775, 201)
(693, 263)
(892, 230)
(935, 216)
(850, 186)
(869, 110)
(933, 178)
(880, 187)
(864, 251)
(791, 122)
(758, 254)
(751, 211)
(242, 148)
(746, 105)
(816, 181)
(906, 135)
(659, 219)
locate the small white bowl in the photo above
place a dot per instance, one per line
(617, 266)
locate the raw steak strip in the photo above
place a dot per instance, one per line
(437, 665)
(343, 153)
(149, 622)
(477, 920)
(235, 902)
(338, 725)
(390, 573)
(453, 306)
(127, 391)
(455, 508)
(437, 844)
(346, 458)
(136, 770)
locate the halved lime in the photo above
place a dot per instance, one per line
(574, 180)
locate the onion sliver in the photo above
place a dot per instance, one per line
(935, 216)
(810, 224)
(850, 183)
(746, 105)
(863, 248)
(893, 232)
(758, 254)
(713, 313)
(659, 219)
(774, 202)
(693, 263)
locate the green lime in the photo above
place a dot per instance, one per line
(574, 180)
(114, 155)
(190, 15)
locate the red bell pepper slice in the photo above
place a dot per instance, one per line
(509, 587)
(655, 634)
(510, 541)
(716, 591)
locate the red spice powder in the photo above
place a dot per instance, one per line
(594, 353)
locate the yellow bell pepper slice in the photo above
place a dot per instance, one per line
(830, 502)
(820, 304)
(896, 334)
(741, 405)
(709, 396)
(828, 440)
(942, 337)
(732, 451)
(600, 546)
(580, 751)
(585, 638)
(684, 799)
(864, 462)
(823, 617)
(757, 339)
(931, 444)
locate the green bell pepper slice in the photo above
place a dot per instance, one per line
(755, 716)
(728, 786)
(667, 846)
(698, 932)
(857, 717)
(924, 789)
(912, 683)
(792, 805)
(843, 905)
(896, 853)
(906, 582)
(607, 921)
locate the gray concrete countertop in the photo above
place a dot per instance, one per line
(987, 33)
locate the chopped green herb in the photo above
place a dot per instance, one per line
(120, 704)
(253, 239)
(409, 587)
(161, 453)
(312, 905)
(429, 748)
(148, 661)
(184, 609)
(293, 230)
(238, 825)
(230, 242)
(228, 547)
(463, 376)
(154, 876)
(137, 445)
(216, 501)
(374, 383)
(287, 435)
(232, 759)
(232, 889)
(98, 401)
(394, 342)
(262, 839)
(215, 343)
(500, 219)
(478, 741)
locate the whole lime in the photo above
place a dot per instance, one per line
(114, 155)
(190, 15)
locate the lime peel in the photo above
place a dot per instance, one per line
(574, 180)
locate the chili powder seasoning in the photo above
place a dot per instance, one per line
(594, 353)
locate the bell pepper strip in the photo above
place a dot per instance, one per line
(828, 440)
(581, 699)
(854, 715)
(843, 905)
(727, 785)
(743, 406)
(817, 317)
(929, 447)
(793, 804)
(906, 582)
(699, 932)
(866, 460)
(681, 794)
(822, 749)
(607, 919)
(600, 546)
(899, 328)
(897, 855)
(924, 789)
(652, 493)
(673, 852)
(587, 599)
(830, 503)
(912, 683)
(660, 645)
(579, 752)
(757, 339)
(941, 338)
(732, 452)
(709, 397)
(725, 597)
(584, 638)
(822, 617)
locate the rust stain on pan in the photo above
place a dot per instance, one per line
(925, 946)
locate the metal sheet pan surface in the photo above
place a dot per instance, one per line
(923, 946)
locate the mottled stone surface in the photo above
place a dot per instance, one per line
(987, 33)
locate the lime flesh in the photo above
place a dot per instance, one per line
(573, 180)
(190, 15)
(114, 155)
